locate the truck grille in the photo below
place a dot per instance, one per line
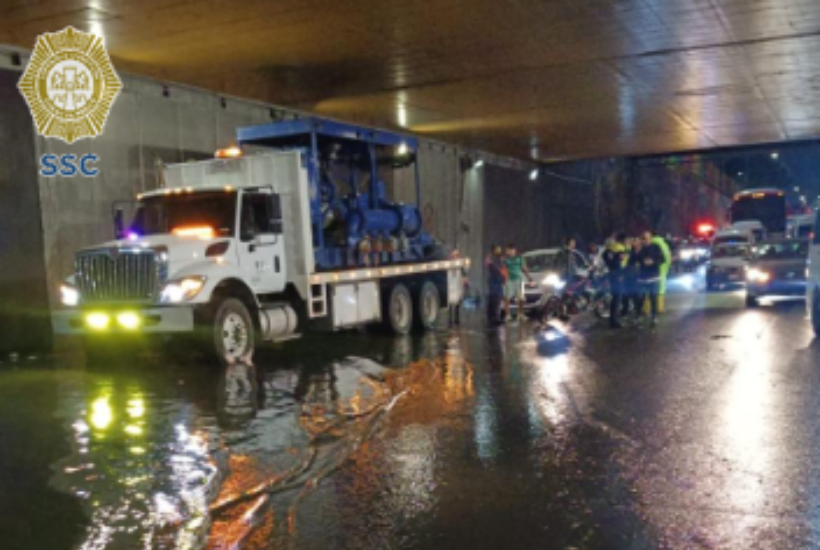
(118, 275)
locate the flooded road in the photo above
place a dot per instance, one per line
(702, 434)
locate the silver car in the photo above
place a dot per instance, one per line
(777, 268)
(547, 268)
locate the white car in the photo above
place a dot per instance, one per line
(728, 258)
(727, 265)
(547, 268)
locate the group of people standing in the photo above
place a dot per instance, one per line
(637, 270)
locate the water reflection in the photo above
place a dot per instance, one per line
(553, 406)
(120, 443)
(159, 460)
(238, 395)
(724, 464)
(747, 434)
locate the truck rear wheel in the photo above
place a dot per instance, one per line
(398, 310)
(234, 331)
(428, 306)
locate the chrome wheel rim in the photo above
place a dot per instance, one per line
(234, 335)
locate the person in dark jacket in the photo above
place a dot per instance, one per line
(495, 285)
(615, 258)
(651, 259)
(570, 260)
(632, 292)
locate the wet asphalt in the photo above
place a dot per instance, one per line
(701, 434)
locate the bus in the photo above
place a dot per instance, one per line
(766, 207)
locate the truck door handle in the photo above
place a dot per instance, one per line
(276, 263)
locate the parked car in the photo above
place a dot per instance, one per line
(547, 268)
(777, 268)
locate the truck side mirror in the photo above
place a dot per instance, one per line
(275, 212)
(119, 224)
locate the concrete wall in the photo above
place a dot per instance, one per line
(536, 213)
(24, 313)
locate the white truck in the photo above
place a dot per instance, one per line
(264, 245)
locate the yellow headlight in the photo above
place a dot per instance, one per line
(129, 320)
(97, 320)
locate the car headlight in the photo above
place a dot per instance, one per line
(553, 280)
(69, 295)
(181, 289)
(687, 254)
(757, 275)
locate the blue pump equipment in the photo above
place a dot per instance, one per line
(353, 222)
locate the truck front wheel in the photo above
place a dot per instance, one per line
(398, 309)
(234, 331)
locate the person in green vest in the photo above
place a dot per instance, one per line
(514, 287)
(664, 271)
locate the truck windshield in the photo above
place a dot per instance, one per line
(767, 208)
(165, 213)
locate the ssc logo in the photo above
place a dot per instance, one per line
(69, 85)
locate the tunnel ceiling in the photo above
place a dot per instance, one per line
(545, 79)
